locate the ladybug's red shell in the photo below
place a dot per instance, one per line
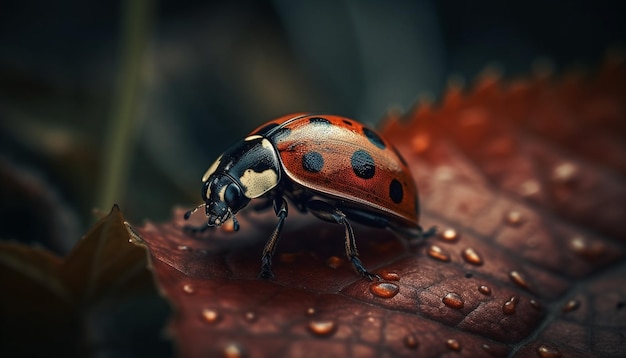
(343, 159)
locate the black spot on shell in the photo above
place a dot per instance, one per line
(374, 138)
(347, 122)
(312, 162)
(362, 164)
(319, 120)
(396, 193)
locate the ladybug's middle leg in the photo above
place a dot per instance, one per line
(280, 208)
(329, 213)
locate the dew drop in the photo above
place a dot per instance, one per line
(210, 315)
(564, 173)
(232, 350)
(585, 249)
(438, 253)
(453, 300)
(310, 311)
(485, 290)
(514, 218)
(250, 316)
(410, 341)
(570, 306)
(334, 262)
(545, 351)
(536, 305)
(389, 275)
(453, 344)
(450, 234)
(487, 348)
(384, 289)
(420, 143)
(529, 188)
(189, 288)
(519, 279)
(444, 173)
(322, 328)
(472, 257)
(509, 306)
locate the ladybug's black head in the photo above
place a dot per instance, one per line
(223, 198)
(247, 170)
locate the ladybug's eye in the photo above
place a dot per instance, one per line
(233, 196)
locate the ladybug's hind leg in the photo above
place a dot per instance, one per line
(329, 213)
(280, 208)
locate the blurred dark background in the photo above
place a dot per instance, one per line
(131, 101)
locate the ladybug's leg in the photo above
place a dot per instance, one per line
(280, 208)
(329, 213)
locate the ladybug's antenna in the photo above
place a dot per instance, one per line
(190, 212)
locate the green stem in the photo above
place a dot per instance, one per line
(118, 140)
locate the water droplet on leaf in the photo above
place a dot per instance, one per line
(210, 315)
(384, 289)
(509, 306)
(438, 253)
(514, 218)
(529, 188)
(410, 341)
(587, 250)
(453, 344)
(485, 290)
(453, 300)
(545, 351)
(472, 257)
(322, 328)
(189, 288)
(564, 173)
(536, 304)
(233, 350)
(334, 262)
(571, 305)
(389, 276)
(450, 234)
(250, 316)
(519, 279)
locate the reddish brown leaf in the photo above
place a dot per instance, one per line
(525, 181)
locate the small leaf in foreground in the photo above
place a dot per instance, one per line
(100, 299)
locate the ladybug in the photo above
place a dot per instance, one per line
(330, 166)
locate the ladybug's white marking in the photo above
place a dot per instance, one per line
(266, 144)
(211, 170)
(221, 193)
(252, 137)
(258, 183)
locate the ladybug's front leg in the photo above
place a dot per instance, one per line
(331, 214)
(280, 208)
